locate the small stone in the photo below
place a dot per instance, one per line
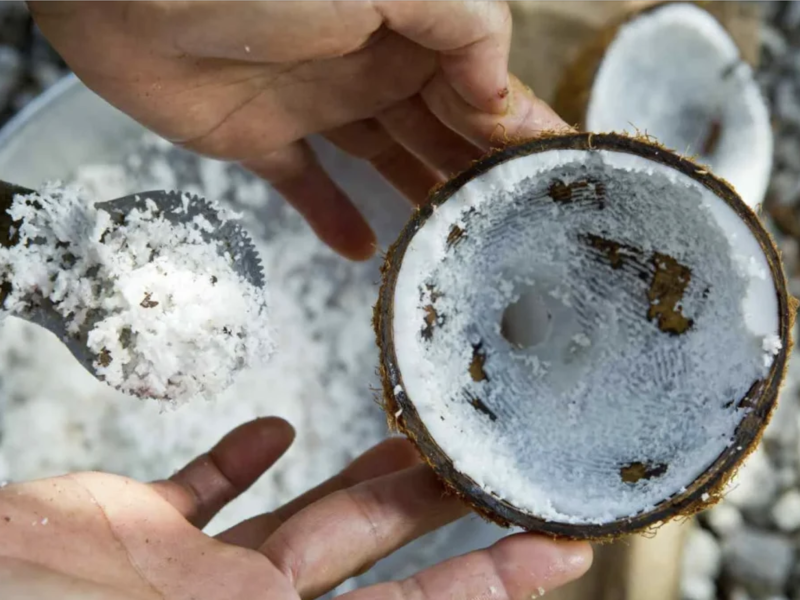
(739, 594)
(695, 587)
(787, 151)
(787, 101)
(792, 16)
(783, 426)
(772, 41)
(759, 561)
(785, 188)
(786, 512)
(787, 477)
(755, 485)
(724, 518)
(702, 556)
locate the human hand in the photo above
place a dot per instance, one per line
(94, 535)
(418, 89)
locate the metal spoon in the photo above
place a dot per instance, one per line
(229, 236)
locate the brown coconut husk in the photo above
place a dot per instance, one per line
(761, 398)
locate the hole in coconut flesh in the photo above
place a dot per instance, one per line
(590, 349)
(528, 321)
(675, 73)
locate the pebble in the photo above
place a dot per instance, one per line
(787, 107)
(786, 512)
(785, 187)
(739, 594)
(702, 556)
(773, 42)
(759, 561)
(755, 484)
(694, 587)
(724, 518)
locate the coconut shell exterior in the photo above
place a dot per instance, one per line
(571, 98)
(761, 398)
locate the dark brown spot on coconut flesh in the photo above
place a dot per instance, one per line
(615, 252)
(668, 285)
(666, 292)
(581, 191)
(476, 365)
(455, 235)
(104, 358)
(148, 302)
(481, 407)
(431, 316)
(636, 471)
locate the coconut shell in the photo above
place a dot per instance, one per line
(761, 398)
(571, 95)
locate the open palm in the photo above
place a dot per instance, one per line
(419, 89)
(93, 535)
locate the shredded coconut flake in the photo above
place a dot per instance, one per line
(164, 312)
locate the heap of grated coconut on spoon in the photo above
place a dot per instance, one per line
(160, 295)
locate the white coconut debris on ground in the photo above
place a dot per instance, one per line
(556, 449)
(701, 86)
(164, 311)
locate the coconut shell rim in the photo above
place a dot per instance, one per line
(574, 88)
(707, 488)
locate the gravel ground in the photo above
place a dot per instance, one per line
(746, 548)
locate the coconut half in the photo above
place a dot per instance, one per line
(583, 334)
(673, 71)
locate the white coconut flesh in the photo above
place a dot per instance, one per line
(675, 73)
(537, 359)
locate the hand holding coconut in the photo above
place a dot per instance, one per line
(418, 89)
(583, 334)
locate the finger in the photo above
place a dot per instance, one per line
(519, 567)
(204, 486)
(387, 457)
(295, 172)
(368, 522)
(472, 37)
(527, 115)
(412, 124)
(369, 141)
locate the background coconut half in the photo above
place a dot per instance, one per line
(583, 334)
(674, 71)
